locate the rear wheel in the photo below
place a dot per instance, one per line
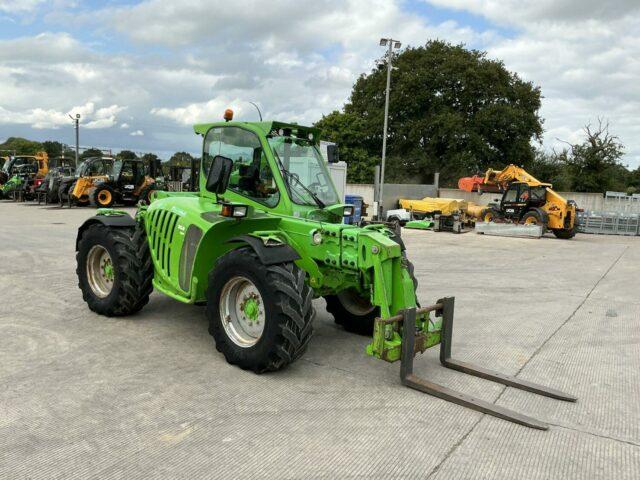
(352, 311)
(146, 193)
(259, 316)
(565, 233)
(103, 197)
(114, 269)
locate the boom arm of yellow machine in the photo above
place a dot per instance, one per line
(511, 173)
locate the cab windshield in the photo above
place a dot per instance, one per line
(81, 171)
(304, 171)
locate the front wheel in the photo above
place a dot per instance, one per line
(146, 194)
(103, 197)
(259, 316)
(490, 214)
(114, 268)
(354, 312)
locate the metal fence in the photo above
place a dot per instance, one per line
(609, 223)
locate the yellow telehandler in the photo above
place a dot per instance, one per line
(525, 199)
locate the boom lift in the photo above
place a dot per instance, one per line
(525, 199)
(261, 238)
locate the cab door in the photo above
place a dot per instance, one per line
(509, 203)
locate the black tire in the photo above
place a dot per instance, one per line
(536, 216)
(133, 269)
(356, 314)
(145, 194)
(99, 194)
(565, 233)
(288, 311)
(64, 192)
(491, 214)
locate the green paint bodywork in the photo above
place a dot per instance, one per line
(419, 224)
(14, 183)
(187, 234)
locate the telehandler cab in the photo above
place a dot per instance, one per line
(36, 165)
(76, 189)
(129, 181)
(21, 173)
(261, 239)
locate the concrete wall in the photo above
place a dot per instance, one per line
(392, 192)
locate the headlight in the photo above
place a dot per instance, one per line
(348, 211)
(234, 211)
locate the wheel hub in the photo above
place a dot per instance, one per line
(242, 312)
(100, 271)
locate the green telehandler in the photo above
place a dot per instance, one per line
(263, 237)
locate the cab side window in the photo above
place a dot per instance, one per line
(511, 195)
(524, 194)
(251, 174)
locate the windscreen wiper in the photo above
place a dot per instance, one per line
(288, 175)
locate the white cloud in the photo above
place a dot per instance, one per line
(39, 118)
(137, 133)
(19, 6)
(556, 11)
(195, 58)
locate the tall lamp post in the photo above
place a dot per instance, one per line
(77, 125)
(391, 43)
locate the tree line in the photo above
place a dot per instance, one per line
(54, 149)
(453, 111)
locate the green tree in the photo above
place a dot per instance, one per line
(551, 167)
(452, 110)
(54, 149)
(595, 164)
(346, 130)
(21, 146)
(126, 155)
(181, 159)
(149, 157)
(90, 152)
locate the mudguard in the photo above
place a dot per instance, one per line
(113, 221)
(269, 255)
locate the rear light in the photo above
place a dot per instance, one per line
(234, 211)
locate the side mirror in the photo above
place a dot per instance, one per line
(333, 156)
(218, 178)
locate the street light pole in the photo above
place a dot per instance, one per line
(77, 124)
(392, 44)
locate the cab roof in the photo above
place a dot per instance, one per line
(268, 128)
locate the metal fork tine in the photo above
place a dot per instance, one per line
(412, 381)
(468, 401)
(478, 371)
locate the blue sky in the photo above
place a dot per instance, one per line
(141, 73)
